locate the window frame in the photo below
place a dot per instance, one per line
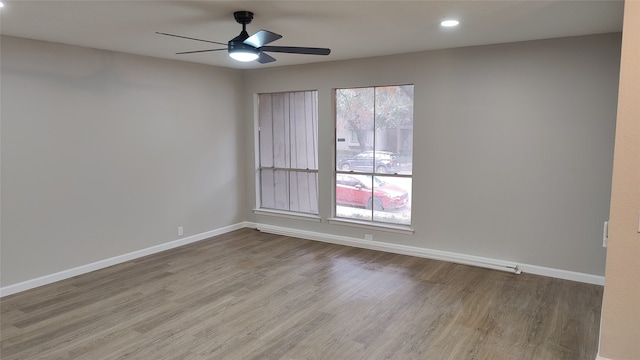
(259, 167)
(372, 223)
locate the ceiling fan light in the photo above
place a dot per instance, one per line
(449, 23)
(243, 55)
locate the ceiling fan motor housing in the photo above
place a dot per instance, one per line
(237, 43)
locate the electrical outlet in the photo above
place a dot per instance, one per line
(368, 237)
(180, 231)
(605, 234)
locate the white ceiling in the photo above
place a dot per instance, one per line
(352, 29)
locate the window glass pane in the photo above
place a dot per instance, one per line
(394, 129)
(355, 121)
(354, 196)
(304, 192)
(274, 186)
(265, 122)
(302, 141)
(267, 189)
(280, 130)
(289, 190)
(379, 198)
(392, 199)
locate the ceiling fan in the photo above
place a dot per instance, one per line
(248, 48)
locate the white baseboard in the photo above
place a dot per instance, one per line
(601, 358)
(69, 273)
(394, 248)
(563, 274)
(435, 254)
(303, 234)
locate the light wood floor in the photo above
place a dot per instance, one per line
(250, 295)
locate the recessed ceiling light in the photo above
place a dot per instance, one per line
(1, 4)
(449, 23)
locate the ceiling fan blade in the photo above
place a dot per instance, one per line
(297, 50)
(262, 38)
(198, 51)
(265, 58)
(190, 38)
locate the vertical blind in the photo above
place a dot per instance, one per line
(288, 136)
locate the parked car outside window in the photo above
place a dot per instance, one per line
(355, 190)
(385, 162)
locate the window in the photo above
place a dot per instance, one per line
(374, 170)
(288, 145)
(354, 137)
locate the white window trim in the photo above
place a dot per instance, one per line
(398, 229)
(287, 214)
(402, 229)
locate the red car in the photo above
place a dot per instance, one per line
(355, 190)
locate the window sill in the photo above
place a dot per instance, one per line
(287, 214)
(399, 229)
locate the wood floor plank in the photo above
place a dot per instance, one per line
(251, 295)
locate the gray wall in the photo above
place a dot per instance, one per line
(513, 146)
(106, 153)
